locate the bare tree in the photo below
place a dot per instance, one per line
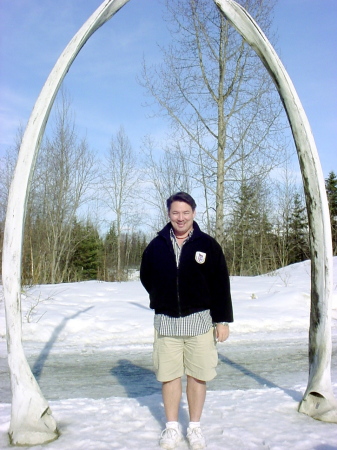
(120, 179)
(220, 100)
(285, 187)
(166, 171)
(62, 182)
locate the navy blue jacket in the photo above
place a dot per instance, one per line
(193, 286)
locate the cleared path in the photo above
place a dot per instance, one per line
(251, 364)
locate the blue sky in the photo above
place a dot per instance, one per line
(102, 80)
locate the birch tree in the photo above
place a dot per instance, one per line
(213, 88)
(120, 178)
(284, 188)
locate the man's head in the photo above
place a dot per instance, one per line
(181, 197)
(181, 211)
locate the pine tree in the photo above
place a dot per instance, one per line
(298, 243)
(87, 258)
(139, 244)
(132, 247)
(250, 241)
(110, 254)
(331, 190)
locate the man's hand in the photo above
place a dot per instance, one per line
(221, 332)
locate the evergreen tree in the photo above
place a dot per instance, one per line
(131, 245)
(331, 190)
(110, 254)
(86, 261)
(139, 244)
(298, 243)
(249, 245)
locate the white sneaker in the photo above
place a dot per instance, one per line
(170, 438)
(195, 438)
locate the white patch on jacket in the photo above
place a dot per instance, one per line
(200, 257)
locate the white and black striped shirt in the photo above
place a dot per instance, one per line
(191, 325)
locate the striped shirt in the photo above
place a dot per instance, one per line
(191, 325)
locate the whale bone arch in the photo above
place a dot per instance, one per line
(32, 422)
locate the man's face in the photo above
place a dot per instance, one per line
(181, 216)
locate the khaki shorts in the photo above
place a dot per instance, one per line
(196, 356)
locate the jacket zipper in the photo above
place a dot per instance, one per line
(178, 297)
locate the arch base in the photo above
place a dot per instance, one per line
(32, 422)
(23, 438)
(34, 431)
(319, 407)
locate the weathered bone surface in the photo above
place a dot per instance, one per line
(318, 400)
(32, 422)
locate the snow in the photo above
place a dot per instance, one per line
(99, 318)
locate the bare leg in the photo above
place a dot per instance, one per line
(196, 394)
(172, 391)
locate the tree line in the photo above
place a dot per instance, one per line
(265, 229)
(90, 215)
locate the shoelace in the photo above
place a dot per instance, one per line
(196, 433)
(171, 433)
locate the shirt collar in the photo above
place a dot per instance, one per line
(174, 236)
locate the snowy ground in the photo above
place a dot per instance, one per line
(252, 405)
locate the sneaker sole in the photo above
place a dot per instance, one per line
(169, 447)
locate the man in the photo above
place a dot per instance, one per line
(185, 273)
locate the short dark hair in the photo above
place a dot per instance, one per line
(181, 197)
